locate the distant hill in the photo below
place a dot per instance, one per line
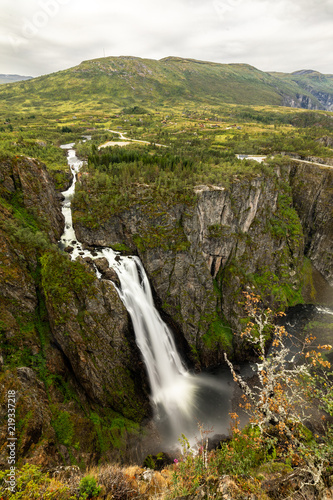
(13, 78)
(312, 82)
(128, 81)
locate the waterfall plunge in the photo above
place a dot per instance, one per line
(180, 400)
(173, 389)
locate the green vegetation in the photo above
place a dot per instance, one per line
(123, 81)
(203, 125)
(119, 178)
(32, 483)
(61, 277)
(64, 428)
(278, 437)
(89, 488)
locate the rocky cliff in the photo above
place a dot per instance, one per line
(312, 188)
(67, 345)
(201, 256)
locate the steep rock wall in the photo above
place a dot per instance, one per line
(312, 188)
(66, 342)
(200, 257)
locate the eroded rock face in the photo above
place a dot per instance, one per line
(29, 180)
(91, 327)
(30, 205)
(225, 237)
(313, 198)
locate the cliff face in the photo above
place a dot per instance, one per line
(66, 343)
(320, 100)
(90, 326)
(313, 199)
(201, 257)
(326, 99)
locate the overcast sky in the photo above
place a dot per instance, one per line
(43, 36)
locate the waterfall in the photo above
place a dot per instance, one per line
(179, 398)
(173, 389)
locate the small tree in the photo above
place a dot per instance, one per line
(279, 404)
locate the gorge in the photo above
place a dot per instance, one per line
(178, 397)
(248, 234)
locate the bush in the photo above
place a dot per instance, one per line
(117, 483)
(32, 483)
(89, 488)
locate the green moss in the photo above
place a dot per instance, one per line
(64, 428)
(281, 293)
(122, 248)
(166, 237)
(285, 222)
(308, 288)
(61, 278)
(111, 430)
(215, 231)
(219, 334)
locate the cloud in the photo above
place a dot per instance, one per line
(41, 36)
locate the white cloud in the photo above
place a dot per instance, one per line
(42, 36)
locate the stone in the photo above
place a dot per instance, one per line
(148, 475)
(107, 272)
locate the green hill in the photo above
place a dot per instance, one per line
(123, 81)
(312, 82)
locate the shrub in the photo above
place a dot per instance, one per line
(32, 483)
(117, 483)
(88, 488)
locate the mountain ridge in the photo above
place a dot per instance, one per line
(132, 80)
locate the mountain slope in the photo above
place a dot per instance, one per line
(128, 80)
(318, 85)
(13, 78)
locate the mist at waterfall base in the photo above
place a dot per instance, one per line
(181, 400)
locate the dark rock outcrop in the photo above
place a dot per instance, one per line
(312, 188)
(29, 182)
(107, 272)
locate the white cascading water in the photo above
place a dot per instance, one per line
(325, 310)
(173, 389)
